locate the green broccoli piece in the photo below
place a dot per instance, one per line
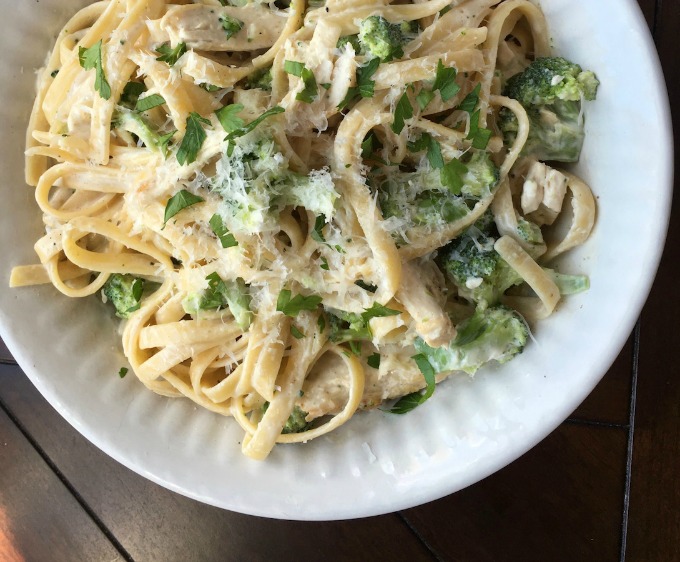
(260, 79)
(296, 422)
(233, 294)
(569, 284)
(551, 90)
(473, 265)
(124, 292)
(256, 184)
(382, 39)
(497, 333)
(482, 175)
(421, 199)
(134, 123)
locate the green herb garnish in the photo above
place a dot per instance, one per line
(92, 58)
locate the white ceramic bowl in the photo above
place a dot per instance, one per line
(377, 463)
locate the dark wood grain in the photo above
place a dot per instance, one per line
(654, 529)
(562, 501)
(39, 518)
(152, 523)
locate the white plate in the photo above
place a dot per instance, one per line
(377, 463)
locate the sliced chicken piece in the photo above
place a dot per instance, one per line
(210, 28)
(543, 193)
(432, 323)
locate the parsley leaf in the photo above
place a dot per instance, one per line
(292, 306)
(149, 102)
(170, 55)
(222, 232)
(231, 25)
(193, 138)
(311, 90)
(296, 333)
(293, 67)
(250, 126)
(424, 98)
(403, 111)
(480, 137)
(123, 371)
(378, 310)
(227, 117)
(179, 201)
(324, 264)
(445, 81)
(131, 93)
(92, 58)
(374, 360)
(317, 232)
(434, 149)
(407, 403)
(471, 100)
(365, 87)
(451, 176)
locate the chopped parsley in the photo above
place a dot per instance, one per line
(123, 371)
(149, 102)
(403, 111)
(231, 25)
(292, 306)
(365, 87)
(170, 55)
(311, 90)
(92, 58)
(374, 360)
(227, 116)
(179, 201)
(193, 138)
(407, 403)
(471, 100)
(222, 232)
(295, 331)
(451, 176)
(424, 98)
(479, 136)
(445, 81)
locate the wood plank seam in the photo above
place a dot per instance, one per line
(67, 484)
(420, 537)
(629, 452)
(596, 423)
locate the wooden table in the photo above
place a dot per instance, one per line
(603, 487)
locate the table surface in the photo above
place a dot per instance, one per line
(603, 486)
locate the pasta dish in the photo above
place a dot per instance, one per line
(301, 209)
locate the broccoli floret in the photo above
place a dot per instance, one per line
(551, 90)
(261, 79)
(256, 183)
(296, 422)
(482, 175)
(124, 292)
(498, 333)
(382, 39)
(569, 284)
(220, 293)
(421, 199)
(474, 266)
(133, 122)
